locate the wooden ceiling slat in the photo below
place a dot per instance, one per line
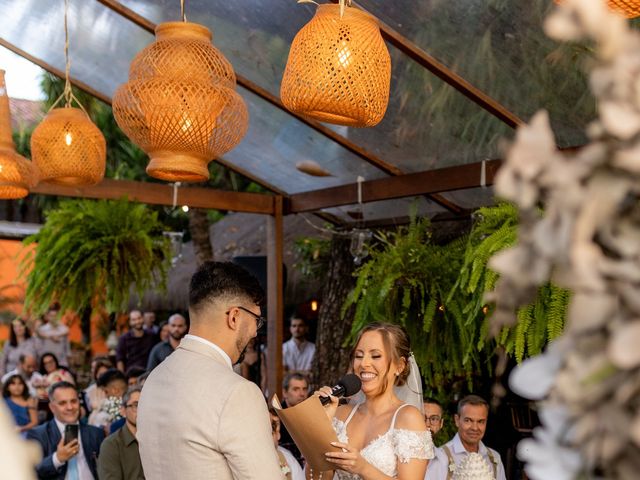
(162, 194)
(423, 183)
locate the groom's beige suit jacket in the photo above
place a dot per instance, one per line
(198, 420)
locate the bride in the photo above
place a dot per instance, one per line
(381, 437)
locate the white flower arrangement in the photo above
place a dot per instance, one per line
(111, 406)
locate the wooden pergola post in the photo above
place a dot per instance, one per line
(275, 297)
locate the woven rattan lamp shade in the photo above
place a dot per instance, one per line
(17, 175)
(628, 8)
(68, 148)
(180, 104)
(339, 69)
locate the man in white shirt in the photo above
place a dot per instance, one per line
(66, 458)
(198, 419)
(53, 336)
(298, 352)
(471, 421)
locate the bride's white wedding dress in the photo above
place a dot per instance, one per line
(392, 446)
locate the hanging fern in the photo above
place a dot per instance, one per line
(495, 229)
(406, 281)
(91, 252)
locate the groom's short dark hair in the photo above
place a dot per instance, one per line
(214, 280)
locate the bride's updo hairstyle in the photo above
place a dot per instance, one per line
(396, 345)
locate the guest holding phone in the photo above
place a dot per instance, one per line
(70, 449)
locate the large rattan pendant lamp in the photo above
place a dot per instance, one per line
(17, 175)
(180, 105)
(67, 147)
(339, 68)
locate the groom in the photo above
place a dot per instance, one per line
(197, 419)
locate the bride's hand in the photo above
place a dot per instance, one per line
(347, 459)
(329, 408)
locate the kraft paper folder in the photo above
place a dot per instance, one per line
(311, 429)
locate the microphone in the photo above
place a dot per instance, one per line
(348, 385)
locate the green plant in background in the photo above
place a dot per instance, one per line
(538, 323)
(91, 253)
(406, 281)
(437, 292)
(312, 256)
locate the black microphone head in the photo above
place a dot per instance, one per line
(351, 384)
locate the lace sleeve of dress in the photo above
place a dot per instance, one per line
(410, 444)
(341, 429)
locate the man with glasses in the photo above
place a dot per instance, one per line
(433, 415)
(197, 417)
(119, 456)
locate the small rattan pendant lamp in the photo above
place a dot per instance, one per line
(339, 68)
(17, 175)
(66, 146)
(180, 105)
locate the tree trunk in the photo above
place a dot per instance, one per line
(199, 228)
(332, 360)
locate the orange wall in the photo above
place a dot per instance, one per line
(11, 253)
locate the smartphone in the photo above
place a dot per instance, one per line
(70, 433)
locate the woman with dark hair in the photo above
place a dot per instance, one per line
(20, 343)
(23, 407)
(52, 371)
(93, 395)
(383, 436)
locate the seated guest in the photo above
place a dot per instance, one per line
(27, 370)
(119, 456)
(20, 343)
(471, 421)
(23, 407)
(133, 374)
(254, 366)
(51, 370)
(295, 389)
(178, 327)
(163, 332)
(433, 415)
(75, 459)
(94, 395)
(114, 385)
(291, 469)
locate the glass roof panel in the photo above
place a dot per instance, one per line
(277, 142)
(471, 198)
(101, 43)
(428, 124)
(500, 48)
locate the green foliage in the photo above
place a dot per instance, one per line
(312, 256)
(494, 230)
(406, 281)
(92, 252)
(437, 292)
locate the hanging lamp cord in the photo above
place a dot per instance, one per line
(182, 14)
(343, 4)
(67, 93)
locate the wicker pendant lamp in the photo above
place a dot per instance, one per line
(17, 175)
(180, 105)
(66, 146)
(339, 68)
(628, 8)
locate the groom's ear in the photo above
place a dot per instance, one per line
(233, 317)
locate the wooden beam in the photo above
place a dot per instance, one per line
(59, 73)
(162, 194)
(341, 140)
(423, 183)
(444, 73)
(275, 297)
